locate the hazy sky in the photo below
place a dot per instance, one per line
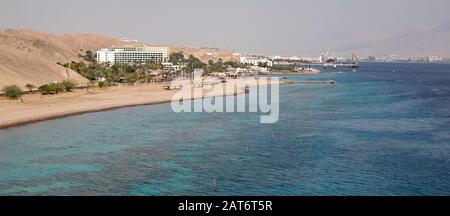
(285, 27)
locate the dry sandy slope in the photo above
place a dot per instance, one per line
(31, 59)
(28, 56)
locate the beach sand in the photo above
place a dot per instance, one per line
(36, 107)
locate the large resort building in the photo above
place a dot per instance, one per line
(133, 54)
(256, 61)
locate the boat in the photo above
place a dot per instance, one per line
(355, 63)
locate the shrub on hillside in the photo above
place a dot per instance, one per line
(30, 87)
(47, 89)
(13, 91)
(52, 88)
(69, 85)
(102, 84)
(131, 78)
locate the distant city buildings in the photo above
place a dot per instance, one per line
(310, 59)
(274, 58)
(133, 54)
(128, 40)
(396, 58)
(434, 59)
(279, 58)
(326, 58)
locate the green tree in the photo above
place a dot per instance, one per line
(52, 88)
(219, 66)
(30, 87)
(112, 77)
(116, 69)
(210, 66)
(131, 78)
(46, 89)
(89, 56)
(194, 63)
(13, 92)
(131, 68)
(102, 84)
(68, 85)
(76, 66)
(177, 58)
(59, 87)
(153, 65)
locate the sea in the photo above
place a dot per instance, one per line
(383, 129)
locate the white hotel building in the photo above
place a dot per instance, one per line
(132, 54)
(255, 61)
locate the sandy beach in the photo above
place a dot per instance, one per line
(36, 107)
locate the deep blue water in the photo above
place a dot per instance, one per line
(377, 132)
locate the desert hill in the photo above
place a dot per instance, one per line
(28, 56)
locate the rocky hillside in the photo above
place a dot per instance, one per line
(30, 57)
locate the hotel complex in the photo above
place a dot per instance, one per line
(132, 54)
(256, 61)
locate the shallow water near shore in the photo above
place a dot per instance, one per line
(376, 132)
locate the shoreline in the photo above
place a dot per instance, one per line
(296, 72)
(14, 114)
(293, 73)
(75, 113)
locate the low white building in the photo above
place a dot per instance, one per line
(294, 58)
(273, 58)
(168, 66)
(237, 70)
(434, 59)
(132, 54)
(256, 61)
(258, 69)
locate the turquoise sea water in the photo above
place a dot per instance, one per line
(377, 132)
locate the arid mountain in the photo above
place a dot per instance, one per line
(432, 41)
(30, 57)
